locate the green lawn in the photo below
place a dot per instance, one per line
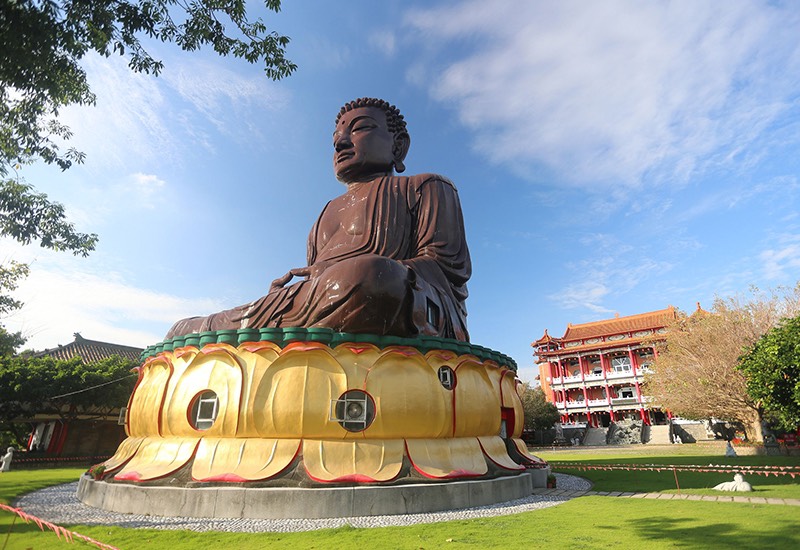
(782, 486)
(587, 522)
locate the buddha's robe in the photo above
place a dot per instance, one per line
(387, 257)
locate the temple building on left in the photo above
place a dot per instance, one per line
(92, 431)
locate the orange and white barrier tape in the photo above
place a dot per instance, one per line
(68, 535)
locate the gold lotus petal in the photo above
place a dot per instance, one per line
(293, 396)
(495, 448)
(356, 359)
(147, 398)
(124, 452)
(257, 358)
(522, 448)
(447, 458)
(242, 459)
(362, 461)
(410, 401)
(158, 457)
(477, 403)
(215, 368)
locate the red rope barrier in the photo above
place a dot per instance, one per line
(62, 459)
(711, 468)
(57, 529)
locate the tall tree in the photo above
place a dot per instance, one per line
(41, 45)
(695, 374)
(43, 42)
(539, 413)
(772, 370)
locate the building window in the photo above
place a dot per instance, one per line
(597, 370)
(626, 393)
(621, 364)
(204, 410)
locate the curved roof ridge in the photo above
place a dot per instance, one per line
(616, 325)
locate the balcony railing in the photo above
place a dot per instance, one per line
(624, 401)
(573, 424)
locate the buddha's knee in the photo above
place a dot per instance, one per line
(375, 278)
(381, 278)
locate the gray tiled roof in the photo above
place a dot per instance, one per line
(91, 351)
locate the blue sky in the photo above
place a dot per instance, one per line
(611, 157)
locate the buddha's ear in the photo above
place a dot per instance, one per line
(402, 141)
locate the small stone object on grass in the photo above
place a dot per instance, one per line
(5, 462)
(738, 484)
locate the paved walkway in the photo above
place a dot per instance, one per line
(668, 496)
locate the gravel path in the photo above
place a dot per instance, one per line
(58, 504)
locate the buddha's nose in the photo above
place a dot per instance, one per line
(342, 142)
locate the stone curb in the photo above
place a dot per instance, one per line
(671, 496)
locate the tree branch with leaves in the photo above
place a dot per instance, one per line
(772, 370)
(695, 374)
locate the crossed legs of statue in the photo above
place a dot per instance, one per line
(366, 294)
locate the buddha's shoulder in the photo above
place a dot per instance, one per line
(436, 180)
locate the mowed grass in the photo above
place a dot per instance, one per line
(586, 522)
(780, 486)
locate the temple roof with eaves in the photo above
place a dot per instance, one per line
(546, 339)
(91, 351)
(620, 325)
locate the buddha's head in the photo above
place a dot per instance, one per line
(370, 140)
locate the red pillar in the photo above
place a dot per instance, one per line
(631, 358)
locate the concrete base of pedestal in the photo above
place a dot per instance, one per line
(323, 502)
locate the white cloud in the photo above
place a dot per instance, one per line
(63, 295)
(217, 92)
(145, 120)
(384, 41)
(777, 261)
(59, 303)
(584, 295)
(612, 269)
(128, 120)
(615, 91)
(143, 189)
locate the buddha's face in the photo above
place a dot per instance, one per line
(363, 145)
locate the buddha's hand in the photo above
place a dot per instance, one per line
(307, 272)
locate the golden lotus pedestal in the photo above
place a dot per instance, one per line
(230, 426)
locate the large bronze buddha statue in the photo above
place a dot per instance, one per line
(388, 257)
(358, 374)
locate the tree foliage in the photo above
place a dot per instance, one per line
(539, 413)
(48, 386)
(772, 370)
(27, 216)
(695, 374)
(43, 42)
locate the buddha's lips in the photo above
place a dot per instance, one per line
(345, 155)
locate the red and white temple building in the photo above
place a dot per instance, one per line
(593, 374)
